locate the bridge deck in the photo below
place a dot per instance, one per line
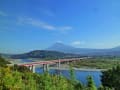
(49, 62)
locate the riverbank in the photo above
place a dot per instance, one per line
(80, 69)
(97, 63)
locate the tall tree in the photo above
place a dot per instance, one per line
(111, 78)
(91, 84)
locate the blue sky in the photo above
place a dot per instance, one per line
(36, 24)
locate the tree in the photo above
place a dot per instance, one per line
(20, 68)
(105, 88)
(78, 86)
(111, 78)
(91, 84)
(72, 78)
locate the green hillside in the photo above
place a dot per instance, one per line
(44, 54)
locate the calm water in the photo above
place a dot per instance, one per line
(80, 75)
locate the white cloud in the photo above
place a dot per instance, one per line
(46, 26)
(41, 24)
(77, 43)
(2, 13)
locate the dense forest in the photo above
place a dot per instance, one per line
(21, 78)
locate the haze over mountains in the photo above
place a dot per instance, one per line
(84, 51)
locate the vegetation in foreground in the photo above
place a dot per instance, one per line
(97, 63)
(3, 63)
(20, 78)
(111, 78)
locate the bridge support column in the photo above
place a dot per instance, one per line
(33, 68)
(43, 67)
(58, 65)
(30, 67)
(47, 67)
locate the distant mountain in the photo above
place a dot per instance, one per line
(61, 47)
(116, 48)
(69, 49)
(85, 51)
(44, 54)
(59, 50)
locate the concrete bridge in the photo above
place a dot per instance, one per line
(45, 64)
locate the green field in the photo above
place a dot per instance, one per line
(97, 63)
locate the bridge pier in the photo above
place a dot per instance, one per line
(45, 67)
(58, 64)
(32, 68)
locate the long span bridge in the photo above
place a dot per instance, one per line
(45, 64)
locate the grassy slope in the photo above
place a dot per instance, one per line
(97, 63)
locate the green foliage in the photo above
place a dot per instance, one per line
(105, 88)
(19, 78)
(98, 63)
(72, 74)
(91, 84)
(3, 62)
(15, 80)
(78, 86)
(20, 68)
(72, 78)
(111, 78)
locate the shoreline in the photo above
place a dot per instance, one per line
(80, 69)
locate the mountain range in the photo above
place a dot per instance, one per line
(85, 51)
(59, 50)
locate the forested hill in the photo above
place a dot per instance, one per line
(44, 54)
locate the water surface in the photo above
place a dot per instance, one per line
(79, 75)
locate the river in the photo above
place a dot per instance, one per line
(80, 75)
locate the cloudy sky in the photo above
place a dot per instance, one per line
(36, 24)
